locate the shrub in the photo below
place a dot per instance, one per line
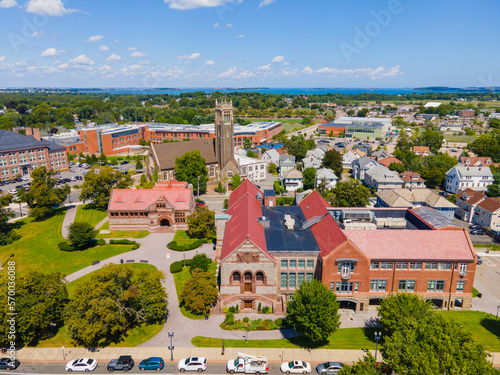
(101, 242)
(200, 261)
(260, 307)
(279, 322)
(65, 246)
(81, 234)
(229, 318)
(277, 187)
(237, 308)
(136, 246)
(232, 309)
(122, 242)
(176, 267)
(266, 310)
(246, 319)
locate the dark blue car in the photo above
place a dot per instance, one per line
(153, 363)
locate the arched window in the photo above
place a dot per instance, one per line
(259, 276)
(229, 174)
(248, 276)
(236, 277)
(212, 171)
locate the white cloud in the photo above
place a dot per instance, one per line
(278, 59)
(132, 49)
(51, 52)
(240, 36)
(8, 3)
(138, 54)
(376, 73)
(228, 73)
(95, 38)
(3, 58)
(52, 8)
(38, 34)
(114, 57)
(194, 4)
(103, 48)
(265, 67)
(209, 62)
(308, 70)
(82, 60)
(264, 3)
(216, 25)
(193, 56)
(230, 25)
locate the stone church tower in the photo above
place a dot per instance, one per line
(224, 132)
(224, 141)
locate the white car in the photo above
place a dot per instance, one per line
(25, 178)
(82, 364)
(295, 367)
(13, 192)
(192, 364)
(73, 178)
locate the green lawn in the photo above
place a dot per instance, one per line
(180, 279)
(121, 233)
(459, 138)
(90, 215)
(37, 249)
(483, 327)
(346, 338)
(134, 337)
(182, 239)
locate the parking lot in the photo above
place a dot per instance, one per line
(486, 282)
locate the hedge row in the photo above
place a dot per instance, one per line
(195, 244)
(66, 246)
(176, 267)
(126, 242)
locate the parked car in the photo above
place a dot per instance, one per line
(192, 364)
(475, 226)
(479, 260)
(73, 178)
(152, 363)
(477, 232)
(82, 364)
(25, 178)
(123, 363)
(8, 364)
(329, 368)
(200, 204)
(12, 191)
(295, 367)
(79, 178)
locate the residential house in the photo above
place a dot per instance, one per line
(412, 180)
(477, 161)
(327, 175)
(421, 150)
(251, 168)
(271, 156)
(293, 180)
(348, 158)
(461, 177)
(388, 161)
(381, 154)
(380, 178)
(487, 214)
(361, 166)
(467, 202)
(413, 198)
(286, 164)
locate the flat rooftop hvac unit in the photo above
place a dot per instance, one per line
(349, 216)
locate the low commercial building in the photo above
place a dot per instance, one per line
(22, 154)
(161, 209)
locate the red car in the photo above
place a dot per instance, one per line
(200, 204)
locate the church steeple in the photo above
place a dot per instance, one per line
(224, 132)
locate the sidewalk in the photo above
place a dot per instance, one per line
(213, 355)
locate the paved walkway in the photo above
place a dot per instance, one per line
(101, 223)
(69, 218)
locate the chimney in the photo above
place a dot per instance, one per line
(29, 131)
(259, 152)
(36, 134)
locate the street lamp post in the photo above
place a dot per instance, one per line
(20, 210)
(171, 347)
(198, 194)
(184, 260)
(247, 327)
(378, 336)
(498, 308)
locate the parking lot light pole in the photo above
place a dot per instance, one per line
(378, 336)
(171, 347)
(20, 210)
(498, 308)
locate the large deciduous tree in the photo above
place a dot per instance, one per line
(309, 178)
(81, 234)
(113, 301)
(39, 305)
(199, 292)
(349, 193)
(43, 194)
(97, 187)
(236, 181)
(201, 223)
(189, 167)
(313, 311)
(431, 138)
(333, 160)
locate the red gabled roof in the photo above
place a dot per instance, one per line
(314, 205)
(472, 196)
(141, 199)
(327, 232)
(388, 161)
(172, 184)
(246, 187)
(243, 225)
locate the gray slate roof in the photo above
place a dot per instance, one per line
(10, 141)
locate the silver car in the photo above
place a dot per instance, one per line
(329, 368)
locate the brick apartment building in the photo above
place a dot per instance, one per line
(161, 209)
(266, 252)
(21, 154)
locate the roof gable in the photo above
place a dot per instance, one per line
(246, 187)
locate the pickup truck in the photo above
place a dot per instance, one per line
(248, 364)
(124, 363)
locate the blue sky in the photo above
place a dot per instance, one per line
(249, 43)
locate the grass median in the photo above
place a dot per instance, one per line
(121, 233)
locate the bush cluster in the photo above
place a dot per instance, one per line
(176, 267)
(284, 201)
(65, 246)
(231, 324)
(101, 242)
